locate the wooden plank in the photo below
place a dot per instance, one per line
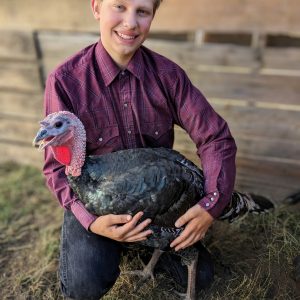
(278, 58)
(186, 53)
(28, 105)
(19, 76)
(250, 87)
(271, 149)
(221, 15)
(17, 45)
(56, 47)
(265, 123)
(59, 15)
(64, 44)
(17, 130)
(276, 194)
(276, 180)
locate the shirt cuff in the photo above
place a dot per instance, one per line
(82, 215)
(209, 203)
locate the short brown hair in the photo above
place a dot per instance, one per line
(157, 4)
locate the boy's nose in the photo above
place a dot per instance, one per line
(130, 21)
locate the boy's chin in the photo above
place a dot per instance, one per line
(128, 50)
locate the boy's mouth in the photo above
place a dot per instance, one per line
(126, 37)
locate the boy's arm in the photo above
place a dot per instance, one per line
(216, 149)
(215, 144)
(55, 99)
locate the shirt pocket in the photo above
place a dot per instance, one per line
(103, 140)
(97, 119)
(158, 134)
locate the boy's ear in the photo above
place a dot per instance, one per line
(96, 8)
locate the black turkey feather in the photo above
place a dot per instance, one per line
(158, 181)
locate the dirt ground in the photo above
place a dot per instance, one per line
(254, 258)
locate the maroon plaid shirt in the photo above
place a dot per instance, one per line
(137, 107)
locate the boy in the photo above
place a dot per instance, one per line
(127, 97)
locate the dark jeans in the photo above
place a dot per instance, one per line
(89, 263)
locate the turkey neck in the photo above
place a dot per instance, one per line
(72, 152)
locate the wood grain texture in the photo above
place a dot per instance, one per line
(20, 76)
(173, 16)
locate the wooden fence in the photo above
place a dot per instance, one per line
(257, 94)
(276, 16)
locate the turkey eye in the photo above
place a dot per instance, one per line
(58, 124)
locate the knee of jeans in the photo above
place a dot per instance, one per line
(87, 290)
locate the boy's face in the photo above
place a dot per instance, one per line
(124, 25)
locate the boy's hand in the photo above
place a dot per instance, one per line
(121, 228)
(197, 221)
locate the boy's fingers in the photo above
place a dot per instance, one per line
(184, 219)
(138, 237)
(185, 243)
(185, 233)
(139, 228)
(181, 221)
(131, 224)
(119, 219)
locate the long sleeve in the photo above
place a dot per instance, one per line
(215, 144)
(56, 99)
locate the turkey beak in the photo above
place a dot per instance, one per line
(38, 141)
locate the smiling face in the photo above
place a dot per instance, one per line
(124, 25)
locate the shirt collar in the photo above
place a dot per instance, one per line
(136, 65)
(110, 70)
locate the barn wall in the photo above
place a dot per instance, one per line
(255, 89)
(173, 16)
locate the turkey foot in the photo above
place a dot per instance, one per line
(148, 270)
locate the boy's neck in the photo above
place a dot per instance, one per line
(121, 61)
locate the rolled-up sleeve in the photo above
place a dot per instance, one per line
(56, 99)
(215, 144)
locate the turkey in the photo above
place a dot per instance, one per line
(158, 181)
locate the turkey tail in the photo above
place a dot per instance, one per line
(242, 204)
(292, 199)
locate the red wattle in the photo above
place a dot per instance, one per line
(62, 154)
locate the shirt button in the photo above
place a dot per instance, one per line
(100, 139)
(207, 204)
(215, 193)
(156, 132)
(212, 199)
(125, 104)
(129, 131)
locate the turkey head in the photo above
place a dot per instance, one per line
(65, 135)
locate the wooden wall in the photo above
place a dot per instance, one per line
(257, 94)
(279, 16)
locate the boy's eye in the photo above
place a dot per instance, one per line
(119, 7)
(143, 12)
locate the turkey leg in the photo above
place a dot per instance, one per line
(148, 270)
(189, 257)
